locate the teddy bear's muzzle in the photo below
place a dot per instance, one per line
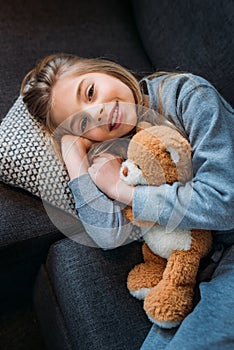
(132, 174)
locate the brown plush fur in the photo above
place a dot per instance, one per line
(170, 281)
(172, 298)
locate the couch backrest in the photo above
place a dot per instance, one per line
(190, 35)
(104, 28)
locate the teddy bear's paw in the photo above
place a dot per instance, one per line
(167, 305)
(164, 324)
(140, 293)
(142, 278)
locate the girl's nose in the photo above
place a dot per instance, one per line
(100, 113)
(101, 110)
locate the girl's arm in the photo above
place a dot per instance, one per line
(206, 202)
(103, 219)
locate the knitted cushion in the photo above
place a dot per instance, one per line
(29, 161)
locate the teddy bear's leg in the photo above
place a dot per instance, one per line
(171, 300)
(143, 277)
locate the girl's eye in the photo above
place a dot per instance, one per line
(90, 92)
(83, 124)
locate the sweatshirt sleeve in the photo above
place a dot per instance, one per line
(103, 219)
(207, 202)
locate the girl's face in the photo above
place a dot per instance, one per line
(95, 105)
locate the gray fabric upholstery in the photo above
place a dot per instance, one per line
(79, 294)
(193, 36)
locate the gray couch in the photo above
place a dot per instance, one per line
(144, 36)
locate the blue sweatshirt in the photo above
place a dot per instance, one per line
(207, 202)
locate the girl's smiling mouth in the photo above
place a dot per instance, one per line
(115, 118)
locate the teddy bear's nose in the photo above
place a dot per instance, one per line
(125, 171)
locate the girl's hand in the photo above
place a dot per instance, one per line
(74, 152)
(105, 174)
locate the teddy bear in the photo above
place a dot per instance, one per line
(165, 280)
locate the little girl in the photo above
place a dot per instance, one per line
(92, 100)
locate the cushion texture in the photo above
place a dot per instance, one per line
(29, 161)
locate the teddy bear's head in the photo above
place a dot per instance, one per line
(157, 155)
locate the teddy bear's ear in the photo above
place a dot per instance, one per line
(174, 154)
(143, 126)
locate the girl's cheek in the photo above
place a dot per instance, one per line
(96, 134)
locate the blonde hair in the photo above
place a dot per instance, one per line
(37, 85)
